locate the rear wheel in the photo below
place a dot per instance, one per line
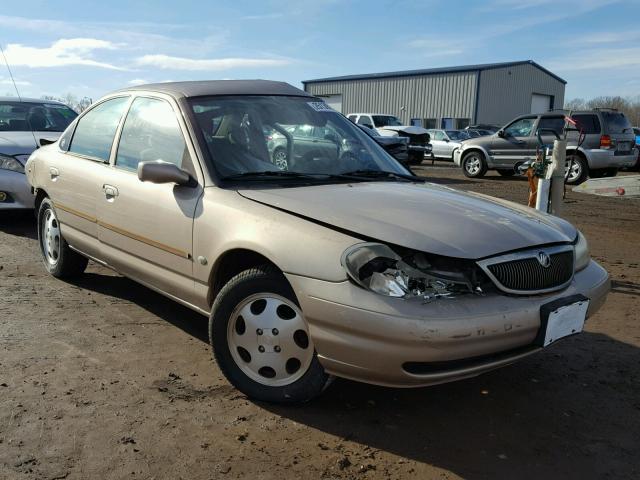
(261, 340)
(59, 260)
(473, 165)
(576, 170)
(506, 172)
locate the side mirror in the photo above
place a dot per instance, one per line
(46, 141)
(162, 172)
(501, 133)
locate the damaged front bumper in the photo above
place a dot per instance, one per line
(407, 343)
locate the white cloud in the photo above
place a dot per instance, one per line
(8, 81)
(604, 59)
(138, 81)
(182, 63)
(63, 52)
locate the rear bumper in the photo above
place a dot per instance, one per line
(599, 158)
(401, 343)
(15, 186)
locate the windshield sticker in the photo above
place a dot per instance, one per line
(320, 107)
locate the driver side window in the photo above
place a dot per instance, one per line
(366, 121)
(151, 132)
(520, 128)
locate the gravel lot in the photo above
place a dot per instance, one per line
(103, 379)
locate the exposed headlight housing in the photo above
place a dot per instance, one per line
(10, 163)
(581, 248)
(379, 268)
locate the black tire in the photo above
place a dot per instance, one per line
(603, 172)
(580, 170)
(264, 279)
(470, 159)
(415, 158)
(506, 172)
(68, 263)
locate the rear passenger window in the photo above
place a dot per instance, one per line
(551, 123)
(587, 123)
(150, 132)
(94, 134)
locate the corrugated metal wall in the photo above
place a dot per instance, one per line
(506, 92)
(429, 96)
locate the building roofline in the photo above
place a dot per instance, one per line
(434, 71)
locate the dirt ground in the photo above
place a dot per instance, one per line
(104, 379)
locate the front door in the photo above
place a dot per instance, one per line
(517, 144)
(145, 229)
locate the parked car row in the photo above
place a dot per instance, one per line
(343, 264)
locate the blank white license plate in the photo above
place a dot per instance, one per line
(566, 320)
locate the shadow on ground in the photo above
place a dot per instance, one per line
(19, 223)
(557, 414)
(547, 417)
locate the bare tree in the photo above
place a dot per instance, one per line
(630, 106)
(69, 99)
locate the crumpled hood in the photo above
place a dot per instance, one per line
(425, 217)
(17, 143)
(409, 129)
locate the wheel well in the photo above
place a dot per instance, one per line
(229, 265)
(40, 195)
(472, 150)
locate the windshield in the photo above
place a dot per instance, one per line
(616, 122)
(386, 121)
(457, 135)
(31, 116)
(255, 134)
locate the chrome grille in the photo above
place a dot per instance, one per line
(523, 273)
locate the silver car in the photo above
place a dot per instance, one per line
(338, 265)
(444, 143)
(25, 124)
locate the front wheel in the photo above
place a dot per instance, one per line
(473, 165)
(261, 341)
(59, 260)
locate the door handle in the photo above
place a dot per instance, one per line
(54, 172)
(110, 191)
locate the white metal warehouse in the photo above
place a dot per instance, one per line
(447, 97)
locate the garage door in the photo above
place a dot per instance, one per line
(540, 103)
(334, 101)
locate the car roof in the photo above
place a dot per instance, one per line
(29, 100)
(203, 88)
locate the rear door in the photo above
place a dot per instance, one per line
(517, 144)
(145, 229)
(547, 124)
(75, 173)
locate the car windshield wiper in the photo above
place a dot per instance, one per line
(381, 174)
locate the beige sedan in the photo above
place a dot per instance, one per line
(336, 266)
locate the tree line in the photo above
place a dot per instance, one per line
(630, 106)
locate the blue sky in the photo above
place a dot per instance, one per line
(90, 48)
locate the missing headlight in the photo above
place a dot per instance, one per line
(409, 274)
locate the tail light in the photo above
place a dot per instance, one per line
(605, 142)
